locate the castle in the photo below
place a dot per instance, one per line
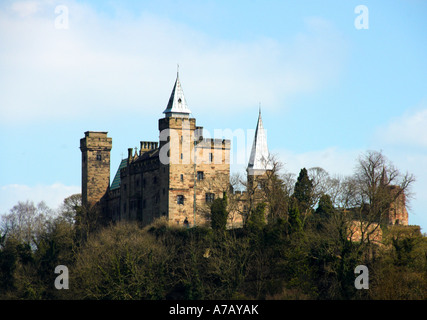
(179, 176)
(176, 177)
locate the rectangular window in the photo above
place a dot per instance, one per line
(210, 197)
(180, 199)
(98, 157)
(182, 177)
(200, 175)
(211, 157)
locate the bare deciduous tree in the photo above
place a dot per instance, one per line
(26, 221)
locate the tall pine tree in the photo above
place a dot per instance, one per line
(303, 191)
(295, 224)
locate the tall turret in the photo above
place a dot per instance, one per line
(95, 147)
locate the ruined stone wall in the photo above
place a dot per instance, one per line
(398, 213)
(363, 231)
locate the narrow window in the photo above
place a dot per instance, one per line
(180, 199)
(210, 197)
(98, 157)
(200, 175)
(182, 177)
(210, 157)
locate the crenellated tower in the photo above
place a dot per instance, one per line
(95, 148)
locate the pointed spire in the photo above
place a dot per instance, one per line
(177, 105)
(259, 160)
(384, 178)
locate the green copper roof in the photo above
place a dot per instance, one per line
(116, 182)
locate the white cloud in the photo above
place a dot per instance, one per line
(53, 195)
(121, 64)
(410, 129)
(25, 8)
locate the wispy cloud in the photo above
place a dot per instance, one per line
(25, 8)
(410, 129)
(121, 63)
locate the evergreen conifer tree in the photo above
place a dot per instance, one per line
(303, 191)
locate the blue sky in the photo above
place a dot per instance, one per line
(328, 91)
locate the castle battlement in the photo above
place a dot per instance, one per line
(177, 177)
(177, 123)
(211, 143)
(95, 139)
(147, 146)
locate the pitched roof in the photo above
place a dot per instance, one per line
(259, 159)
(116, 181)
(177, 105)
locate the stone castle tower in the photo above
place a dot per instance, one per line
(95, 147)
(176, 177)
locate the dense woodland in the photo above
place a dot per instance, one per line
(293, 245)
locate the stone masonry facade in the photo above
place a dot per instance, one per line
(176, 178)
(179, 176)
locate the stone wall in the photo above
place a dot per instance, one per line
(398, 213)
(363, 231)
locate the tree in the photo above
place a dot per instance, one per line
(325, 207)
(276, 192)
(295, 224)
(303, 192)
(70, 208)
(256, 219)
(374, 179)
(26, 221)
(272, 187)
(219, 213)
